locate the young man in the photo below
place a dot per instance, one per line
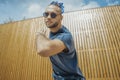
(59, 46)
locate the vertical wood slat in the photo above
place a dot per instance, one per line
(96, 35)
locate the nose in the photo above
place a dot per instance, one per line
(49, 16)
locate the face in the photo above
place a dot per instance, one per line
(52, 16)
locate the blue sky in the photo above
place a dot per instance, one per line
(19, 9)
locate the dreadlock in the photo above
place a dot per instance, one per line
(60, 5)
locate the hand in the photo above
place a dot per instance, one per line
(42, 31)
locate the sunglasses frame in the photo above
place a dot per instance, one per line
(52, 14)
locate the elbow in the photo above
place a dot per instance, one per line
(43, 53)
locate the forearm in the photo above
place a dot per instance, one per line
(47, 47)
(41, 42)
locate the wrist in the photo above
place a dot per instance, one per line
(39, 34)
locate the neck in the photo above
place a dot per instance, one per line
(55, 29)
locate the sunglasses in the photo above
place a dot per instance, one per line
(52, 15)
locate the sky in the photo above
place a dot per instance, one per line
(16, 10)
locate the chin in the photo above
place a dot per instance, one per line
(49, 26)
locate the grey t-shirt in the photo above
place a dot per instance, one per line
(65, 63)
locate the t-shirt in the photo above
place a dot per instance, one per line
(65, 63)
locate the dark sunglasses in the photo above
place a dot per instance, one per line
(52, 15)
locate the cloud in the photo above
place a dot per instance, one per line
(81, 6)
(91, 4)
(33, 10)
(113, 3)
(69, 7)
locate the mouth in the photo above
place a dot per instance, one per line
(48, 22)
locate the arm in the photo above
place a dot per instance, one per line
(47, 47)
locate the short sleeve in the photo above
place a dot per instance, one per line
(67, 40)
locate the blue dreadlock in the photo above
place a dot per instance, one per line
(60, 5)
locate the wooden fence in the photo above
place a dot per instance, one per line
(96, 33)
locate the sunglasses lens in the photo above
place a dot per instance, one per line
(45, 14)
(53, 15)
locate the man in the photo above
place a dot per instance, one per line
(59, 46)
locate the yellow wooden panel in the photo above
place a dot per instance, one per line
(96, 33)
